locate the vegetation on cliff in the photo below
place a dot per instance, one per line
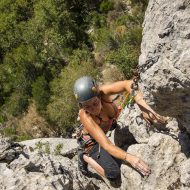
(46, 45)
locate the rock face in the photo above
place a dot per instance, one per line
(165, 58)
(163, 155)
(165, 82)
(29, 167)
(165, 66)
(56, 146)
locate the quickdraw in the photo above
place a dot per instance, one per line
(134, 86)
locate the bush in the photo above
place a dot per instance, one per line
(23, 137)
(58, 149)
(12, 133)
(126, 58)
(129, 20)
(106, 5)
(41, 93)
(104, 40)
(2, 119)
(134, 37)
(120, 5)
(9, 131)
(16, 104)
(97, 20)
(141, 3)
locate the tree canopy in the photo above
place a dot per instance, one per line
(46, 44)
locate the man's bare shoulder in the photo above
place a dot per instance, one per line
(84, 114)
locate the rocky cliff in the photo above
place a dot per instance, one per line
(165, 82)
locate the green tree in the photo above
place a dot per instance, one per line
(37, 39)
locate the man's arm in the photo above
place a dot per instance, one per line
(122, 86)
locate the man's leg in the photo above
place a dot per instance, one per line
(104, 163)
(94, 165)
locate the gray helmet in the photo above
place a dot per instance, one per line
(85, 88)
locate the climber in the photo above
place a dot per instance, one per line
(98, 114)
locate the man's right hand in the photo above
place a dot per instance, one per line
(138, 164)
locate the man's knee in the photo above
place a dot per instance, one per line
(113, 174)
(82, 165)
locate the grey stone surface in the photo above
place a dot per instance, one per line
(185, 173)
(164, 61)
(163, 155)
(133, 121)
(60, 146)
(33, 170)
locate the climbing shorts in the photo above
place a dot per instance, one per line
(110, 164)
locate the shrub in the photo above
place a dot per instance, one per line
(128, 20)
(16, 103)
(39, 145)
(120, 5)
(13, 133)
(2, 119)
(58, 148)
(23, 137)
(97, 20)
(106, 5)
(126, 58)
(134, 36)
(40, 92)
(141, 3)
(104, 40)
(112, 16)
(9, 131)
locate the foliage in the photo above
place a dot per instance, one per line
(12, 133)
(9, 131)
(106, 5)
(16, 103)
(104, 40)
(58, 148)
(2, 119)
(120, 39)
(39, 145)
(46, 45)
(47, 148)
(23, 137)
(40, 92)
(125, 58)
(37, 38)
(142, 3)
(97, 20)
(42, 147)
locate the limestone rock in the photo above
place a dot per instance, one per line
(9, 150)
(61, 146)
(164, 61)
(163, 155)
(185, 173)
(132, 120)
(33, 170)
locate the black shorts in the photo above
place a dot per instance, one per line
(110, 164)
